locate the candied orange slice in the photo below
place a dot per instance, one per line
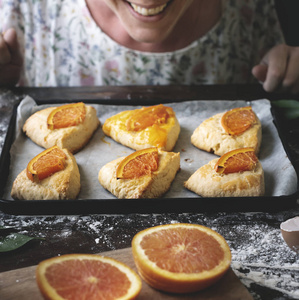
(180, 258)
(46, 163)
(238, 120)
(66, 116)
(139, 163)
(238, 160)
(148, 116)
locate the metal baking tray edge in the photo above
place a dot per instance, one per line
(146, 206)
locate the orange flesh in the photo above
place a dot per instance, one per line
(148, 116)
(141, 165)
(47, 164)
(66, 116)
(238, 120)
(89, 279)
(234, 162)
(183, 250)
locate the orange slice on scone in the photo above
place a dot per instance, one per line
(238, 120)
(238, 160)
(86, 276)
(139, 163)
(180, 258)
(66, 115)
(46, 163)
(148, 116)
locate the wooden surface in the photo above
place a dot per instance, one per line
(20, 284)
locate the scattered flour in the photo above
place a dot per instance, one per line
(259, 254)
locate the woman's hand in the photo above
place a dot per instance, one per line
(10, 58)
(279, 69)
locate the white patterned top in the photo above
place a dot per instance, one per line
(63, 46)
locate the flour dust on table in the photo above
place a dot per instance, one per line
(259, 254)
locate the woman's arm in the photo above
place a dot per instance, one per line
(10, 58)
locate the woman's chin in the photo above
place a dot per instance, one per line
(148, 36)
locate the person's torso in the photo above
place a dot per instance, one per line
(64, 47)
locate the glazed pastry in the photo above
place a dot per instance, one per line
(151, 185)
(213, 135)
(154, 126)
(46, 129)
(207, 181)
(59, 181)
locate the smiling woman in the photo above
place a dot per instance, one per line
(155, 26)
(144, 42)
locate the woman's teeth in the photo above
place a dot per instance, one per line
(148, 12)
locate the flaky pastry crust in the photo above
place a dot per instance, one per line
(115, 127)
(210, 136)
(148, 186)
(64, 184)
(206, 182)
(73, 138)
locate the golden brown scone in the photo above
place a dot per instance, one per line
(163, 135)
(147, 186)
(64, 184)
(211, 137)
(73, 138)
(206, 182)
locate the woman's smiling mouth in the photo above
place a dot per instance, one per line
(148, 11)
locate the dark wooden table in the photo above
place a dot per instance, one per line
(266, 266)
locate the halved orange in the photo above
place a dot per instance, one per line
(66, 115)
(238, 120)
(148, 116)
(180, 258)
(46, 163)
(139, 163)
(238, 160)
(86, 276)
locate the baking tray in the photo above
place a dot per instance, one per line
(286, 129)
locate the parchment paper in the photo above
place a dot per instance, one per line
(280, 176)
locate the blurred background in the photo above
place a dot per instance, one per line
(288, 13)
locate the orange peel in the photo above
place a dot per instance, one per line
(148, 116)
(46, 163)
(139, 163)
(66, 115)
(238, 160)
(180, 258)
(238, 120)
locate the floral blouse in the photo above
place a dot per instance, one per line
(63, 46)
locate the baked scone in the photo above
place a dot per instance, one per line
(208, 182)
(152, 185)
(212, 136)
(154, 126)
(74, 137)
(62, 184)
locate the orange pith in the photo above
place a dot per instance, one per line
(86, 276)
(139, 163)
(180, 258)
(238, 120)
(148, 116)
(237, 160)
(66, 116)
(46, 163)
